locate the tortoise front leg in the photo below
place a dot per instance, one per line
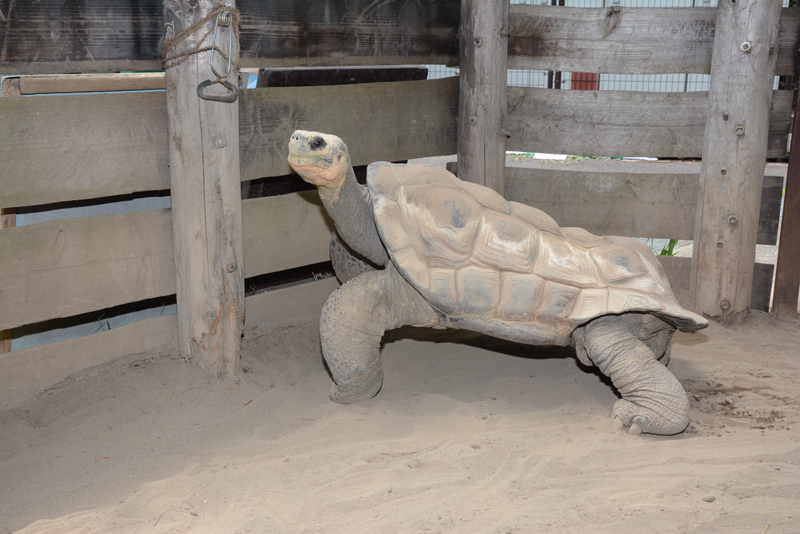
(352, 325)
(346, 263)
(653, 401)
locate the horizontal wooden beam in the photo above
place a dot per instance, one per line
(73, 266)
(378, 121)
(622, 40)
(90, 146)
(679, 270)
(86, 83)
(75, 147)
(622, 123)
(284, 232)
(637, 205)
(26, 373)
(119, 35)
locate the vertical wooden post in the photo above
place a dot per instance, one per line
(787, 269)
(734, 154)
(482, 95)
(8, 219)
(206, 196)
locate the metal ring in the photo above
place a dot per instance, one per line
(234, 91)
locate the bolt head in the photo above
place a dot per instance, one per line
(725, 305)
(220, 141)
(739, 131)
(746, 46)
(230, 266)
(473, 120)
(733, 219)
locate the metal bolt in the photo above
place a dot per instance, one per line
(733, 219)
(746, 46)
(473, 120)
(725, 117)
(504, 32)
(478, 41)
(230, 266)
(723, 172)
(720, 245)
(739, 131)
(220, 141)
(725, 305)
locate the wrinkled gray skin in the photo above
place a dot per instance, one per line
(632, 349)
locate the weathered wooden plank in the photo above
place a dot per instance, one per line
(482, 93)
(8, 219)
(639, 205)
(787, 275)
(75, 147)
(206, 196)
(26, 373)
(53, 36)
(735, 147)
(284, 232)
(73, 266)
(622, 123)
(114, 35)
(299, 304)
(679, 272)
(378, 121)
(88, 83)
(121, 146)
(622, 40)
(349, 32)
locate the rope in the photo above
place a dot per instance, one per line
(176, 59)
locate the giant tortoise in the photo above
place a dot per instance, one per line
(420, 247)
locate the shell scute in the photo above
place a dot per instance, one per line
(505, 243)
(561, 261)
(478, 289)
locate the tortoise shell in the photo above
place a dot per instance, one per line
(507, 269)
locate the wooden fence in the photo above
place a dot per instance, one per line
(69, 147)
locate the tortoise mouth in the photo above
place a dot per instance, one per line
(305, 161)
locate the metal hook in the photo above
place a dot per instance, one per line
(234, 91)
(223, 19)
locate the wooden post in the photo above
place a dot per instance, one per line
(482, 95)
(787, 269)
(734, 153)
(206, 197)
(8, 219)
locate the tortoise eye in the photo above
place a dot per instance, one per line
(317, 143)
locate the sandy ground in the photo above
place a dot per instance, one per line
(469, 434)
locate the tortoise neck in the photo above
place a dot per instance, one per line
(350, 207)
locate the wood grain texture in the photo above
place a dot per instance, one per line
(121, 146)
(206, 199)
(298, 304)
(679, 270)
(284, 232)
(787, 269)
(378, 121)
(349, 32)
(51, 36)
(734, 151)
(26, 373)
(74, 147)
(622, 123)
(623, 40)
(482, 93)
(64, 268)
(8, 219)
(89, 83)
(638, 205)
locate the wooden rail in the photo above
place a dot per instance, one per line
(621, 40)
(90, 146)
(622, 123)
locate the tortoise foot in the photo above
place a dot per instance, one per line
(639, 419)
(356, 393)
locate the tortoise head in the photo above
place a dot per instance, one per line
(320, 159)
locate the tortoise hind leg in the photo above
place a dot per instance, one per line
(352, 325)
(653, 401)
